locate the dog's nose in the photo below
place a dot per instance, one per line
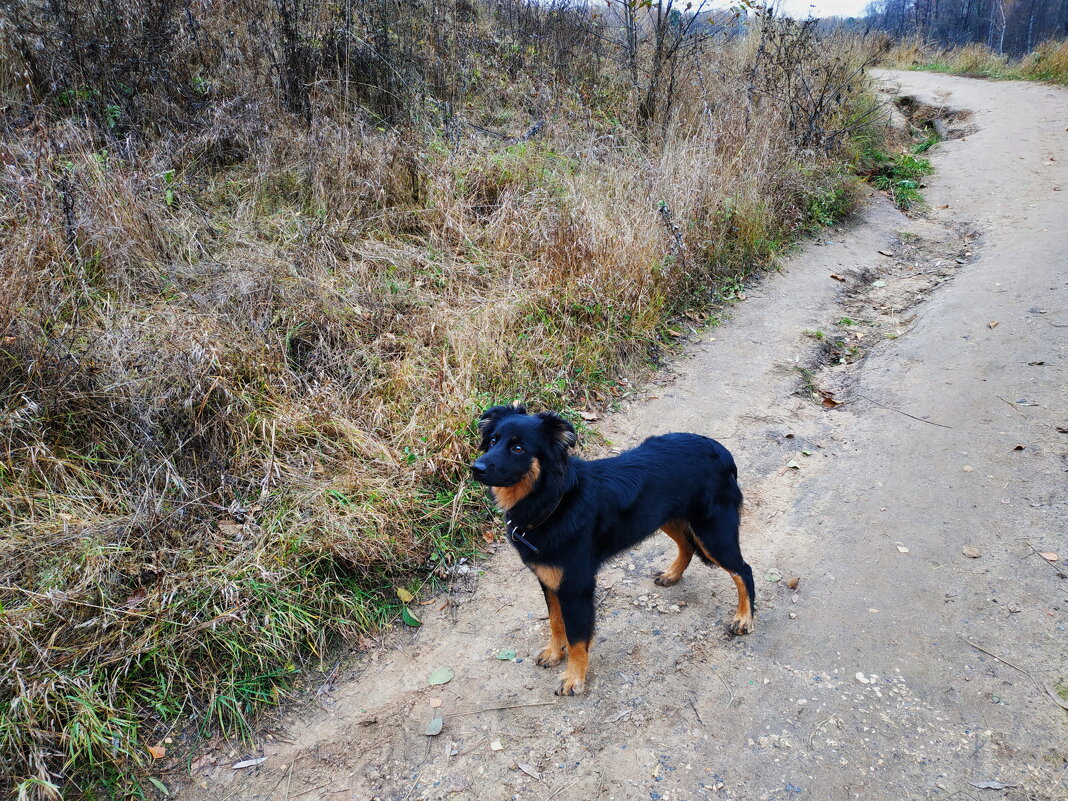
(478, 469)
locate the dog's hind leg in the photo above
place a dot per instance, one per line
(578, 612)
(716, 539)
(553, 653)
(678, 531)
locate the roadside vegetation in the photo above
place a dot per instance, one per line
(1048, 62)
(258, 281)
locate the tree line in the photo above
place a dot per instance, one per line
(1008, 27)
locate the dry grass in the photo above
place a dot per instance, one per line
(1048, 62)
(242, 354)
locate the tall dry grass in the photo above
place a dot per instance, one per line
(246, 323)
(1048, 62)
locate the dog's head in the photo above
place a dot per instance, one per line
(519, 446)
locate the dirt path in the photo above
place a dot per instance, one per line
(860, 684)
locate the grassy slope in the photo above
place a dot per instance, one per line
(1048, 63)
(241, 354)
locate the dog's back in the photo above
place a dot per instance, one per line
(669, 477)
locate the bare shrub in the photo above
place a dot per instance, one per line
(818, 80)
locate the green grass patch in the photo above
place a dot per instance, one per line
(900, 177)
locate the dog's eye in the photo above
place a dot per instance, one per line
(493, 440)
(517, 448)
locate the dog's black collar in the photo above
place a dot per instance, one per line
(517, 533)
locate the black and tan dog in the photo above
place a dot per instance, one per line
(566, 516)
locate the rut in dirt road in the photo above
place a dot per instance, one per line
(900, 667)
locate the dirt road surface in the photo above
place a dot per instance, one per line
(862, 682)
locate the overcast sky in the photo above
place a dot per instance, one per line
(822, 8)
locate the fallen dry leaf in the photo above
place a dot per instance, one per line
(1049, 556)
(792, 582)
(589, 417)
(1019, 447)
(837, 277)
(157, 751)
(527, 769)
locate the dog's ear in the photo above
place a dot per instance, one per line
(559, 429)
(491, 418)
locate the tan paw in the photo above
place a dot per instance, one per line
(570, 685)
(550, 657)
(665, 579)
(741, 625)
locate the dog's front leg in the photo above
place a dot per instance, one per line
(576, 607)
(553, 653)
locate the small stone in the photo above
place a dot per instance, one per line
(496, 746)
(793, 616)
(971, 551)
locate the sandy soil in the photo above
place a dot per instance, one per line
(900, 668)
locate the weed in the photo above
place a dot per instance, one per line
(808, 381)
(900, 177)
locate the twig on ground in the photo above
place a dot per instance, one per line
(914, 417)
(311, 789)
(818, 727)
(290, 782)
(559, 789)
(1015, 408)
(1038, 553)
(693, 706)
(607, 592)
(728, 689)
(289, 772)
(497, 708)
(1052, 787)
(472, 748)
(1043, 687)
